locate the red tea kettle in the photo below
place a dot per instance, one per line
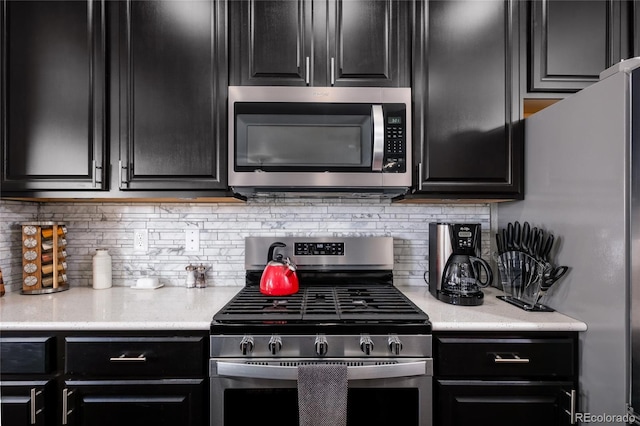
(279, 277)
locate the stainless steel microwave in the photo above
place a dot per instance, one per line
(319, 139)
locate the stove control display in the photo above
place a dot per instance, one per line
(319, 249)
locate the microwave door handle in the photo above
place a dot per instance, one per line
(366, 372)
(378, 137)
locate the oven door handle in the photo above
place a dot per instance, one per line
(377, 115)
(366, 372)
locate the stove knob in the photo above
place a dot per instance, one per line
(395, 345)
(321, 345)
(246, 345)
(366, 344)
(275, 344)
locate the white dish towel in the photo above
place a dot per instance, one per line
(322, 394)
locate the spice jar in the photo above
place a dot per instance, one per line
(48, 268)
(102, 269)
(48, 232)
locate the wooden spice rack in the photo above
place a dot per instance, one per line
(44, 258)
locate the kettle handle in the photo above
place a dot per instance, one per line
(479, 263)
(272, 249)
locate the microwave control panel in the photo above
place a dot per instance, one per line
(394, 145)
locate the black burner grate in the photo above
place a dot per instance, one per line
(342, 304)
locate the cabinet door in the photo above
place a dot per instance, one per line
(467, 143)
(131, 403)
(483, 403)
(26, 402)
(572, 41)
(52, 92)
(270, 42)
(172, 95)
(368, 44)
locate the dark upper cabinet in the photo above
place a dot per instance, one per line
(319, 43)
(113, 99)
(570, 42)
(53, 93)
(172, 95)
(467, 135)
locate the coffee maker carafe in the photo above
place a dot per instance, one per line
(455, 268)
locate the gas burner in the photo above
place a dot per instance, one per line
(352, 289)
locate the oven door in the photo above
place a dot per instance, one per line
(264, 392)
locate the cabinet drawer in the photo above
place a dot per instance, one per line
(27, 355)
(135, 356)
(505, 357)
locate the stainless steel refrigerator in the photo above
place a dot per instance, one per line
(582, 183)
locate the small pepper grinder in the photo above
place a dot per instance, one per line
(201, 280)
(191, 276)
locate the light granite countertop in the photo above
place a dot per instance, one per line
(178, 308)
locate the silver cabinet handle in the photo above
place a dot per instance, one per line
(333, 71)
(377, 117)
(420, 176)
(572, 409)
(33, 404)
(66, 393)
(123, 178)
(515, 360)
(308, 71)
(124, 358)
(95, 179)
(276, 372)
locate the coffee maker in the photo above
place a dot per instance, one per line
(455, 266)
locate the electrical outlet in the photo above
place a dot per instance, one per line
(140, 241)
(192, 240)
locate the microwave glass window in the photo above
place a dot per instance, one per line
(297, 141)
(291, 145)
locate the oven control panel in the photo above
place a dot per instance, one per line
(321, 345)
(319, 249)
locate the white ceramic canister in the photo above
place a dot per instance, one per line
(101, 269)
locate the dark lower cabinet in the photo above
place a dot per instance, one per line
(135, 379)
(467, 135)
(503, 403)
(27, 402)
(134, 403)
(92, 378)
(27, 379)
(503, 379)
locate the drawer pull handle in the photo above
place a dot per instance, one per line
(124, 358)
(572, 413)
(514, 360)
(33, 405)
(66, 393)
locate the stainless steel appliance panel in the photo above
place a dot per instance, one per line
(376, 382)
(579, 186)
(373, 175)
(359, 253)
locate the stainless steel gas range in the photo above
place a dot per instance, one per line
(346, 312)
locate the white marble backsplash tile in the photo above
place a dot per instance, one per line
(223, 228)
